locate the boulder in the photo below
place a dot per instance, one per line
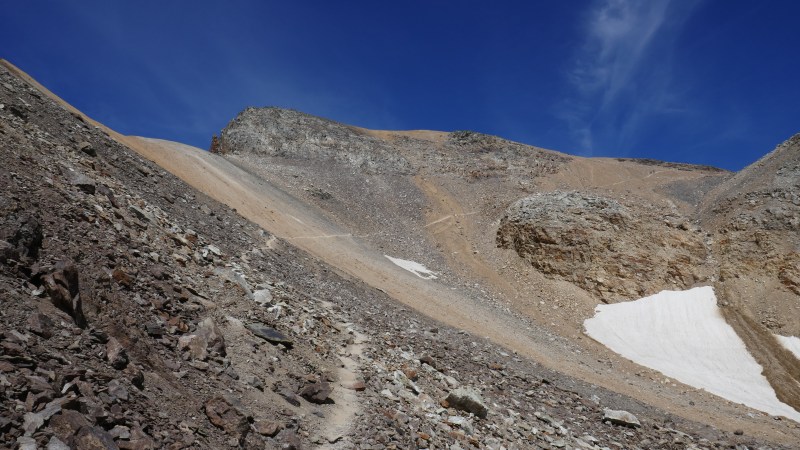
(468, 400)
(207, 339)
(620, 417)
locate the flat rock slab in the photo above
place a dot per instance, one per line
(623, 418)
(269, 334)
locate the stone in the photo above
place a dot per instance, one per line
(225, 416)
(269, 334)
(26, 443)
(62, 285)
(317, 392)
(87, 148)
(56, 444)
(120, 432)
(117, 391)
(34, 421)
(289, 396)
(94, 438)
(268, 428)
(67, 423)
(357, 385)
(41, 325)
(122, 278)
(620, 417)
(207, 339)
(427, 359)
(469, 400)
(138, 379)
(253, 381)
(116, 354)
(82, 182)
(263, 297)
(140, 213)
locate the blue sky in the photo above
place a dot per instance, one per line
(707, 82)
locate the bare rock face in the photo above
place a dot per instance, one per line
(281, 132)
(603, 246)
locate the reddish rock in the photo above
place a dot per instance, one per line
(222, 414)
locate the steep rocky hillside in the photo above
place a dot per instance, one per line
(141, 313)
(755, 217)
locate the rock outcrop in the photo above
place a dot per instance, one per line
(613, 250)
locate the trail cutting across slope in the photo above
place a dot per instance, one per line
(289, 218)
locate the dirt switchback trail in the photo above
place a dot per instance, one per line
(292, 220)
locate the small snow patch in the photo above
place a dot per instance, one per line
(683, 335)
(414, 267)
(790, 343)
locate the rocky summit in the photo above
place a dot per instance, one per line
(160, 296)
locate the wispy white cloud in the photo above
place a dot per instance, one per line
(621, 72)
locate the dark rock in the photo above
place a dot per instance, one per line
(469, 400)
(26, 238)
(138, 379)
(117, 391)
(87, 148)
(222, 414)
(94, 438)
(104, 190)
(62, 287)
(427, 359)
(318, 392)
(289, 396)
(159, 272)
(269, 334)
(41, 325)
(67, 423)
(154, 329)
(116, 354)
(122, 277)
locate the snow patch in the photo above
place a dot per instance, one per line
(683, 335)
(790, 343)
(414, 267)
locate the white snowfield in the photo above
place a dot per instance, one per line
(683, 335)
(414, 267)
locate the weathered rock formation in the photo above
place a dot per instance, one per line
(610, 249)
